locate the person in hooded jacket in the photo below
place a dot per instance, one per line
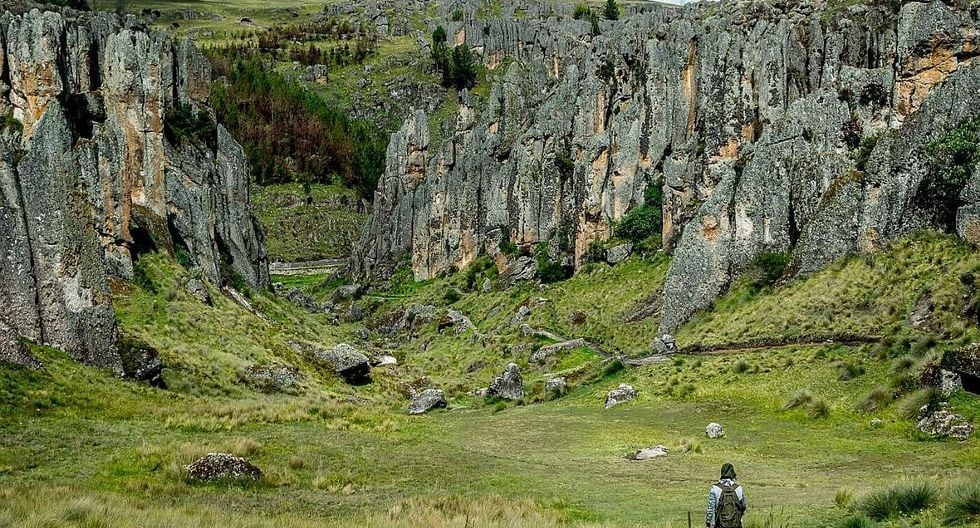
(726, 501)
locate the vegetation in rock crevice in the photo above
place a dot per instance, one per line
(952, 157)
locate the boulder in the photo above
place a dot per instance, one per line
(142, 363)
(457, 321)
(199, 291)
(427, 400)
(222, 467)
(942, 423)
(351, 365)
(665, 344)
(557, 386)
(509, 385)
(621, 394)
(650, 453)
(949, 382)
(12, 349)
(524, 269)
(385, 361)
(487, 286)
(362, 333)
(965, 361)
(346, 293)
(273, 377)
(545, 352)
(619, 253)
(714, 430)
(525, 330)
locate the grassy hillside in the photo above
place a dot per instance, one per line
(78, 448)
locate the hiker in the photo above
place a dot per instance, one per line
(726, 501)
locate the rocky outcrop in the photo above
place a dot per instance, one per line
(217, 467)
(427, 400)
(13, 351)
(769, 126)
(91, 176)
(509, 385)
(621, 394)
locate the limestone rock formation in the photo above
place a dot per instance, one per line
(768, 126)
(509, 385)
(91, 176)
(12, 350)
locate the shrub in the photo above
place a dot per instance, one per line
(740, 367)
(876, 400)
(798, 399)
(900, 500)
(902, 364)
(913, 403)
(181, 124)
(644, 221)
(582, 10)
(611, 10)
(874, 94)
(963, 504)
(952, 158)
(452, 295)
(818, 408)
(768, 268)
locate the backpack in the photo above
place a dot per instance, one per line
(729, 508)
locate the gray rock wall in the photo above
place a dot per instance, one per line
(88, 179)
(747, 114)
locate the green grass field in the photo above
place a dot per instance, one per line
(78, 448)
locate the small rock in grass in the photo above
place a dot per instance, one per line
(714, 430)
(557, 386)
(650, 453)
(621, 394)
(876, 423)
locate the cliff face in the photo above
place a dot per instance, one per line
(89, 180)
(748, 114)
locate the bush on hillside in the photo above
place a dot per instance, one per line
(182, 124)
(952, 158)
(768, 268)
(644, 221)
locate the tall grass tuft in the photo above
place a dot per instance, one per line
(799, 398)
(876, 400)
(903, 499)
(818, 408)
(740, 367)
(844, 498)
(913, 403)
(963, 505)
(857, 521)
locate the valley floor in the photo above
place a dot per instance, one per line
(78, 448)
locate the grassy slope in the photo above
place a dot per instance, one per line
(298, 230)
(75, 444)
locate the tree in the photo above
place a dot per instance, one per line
(439, 36)
(594, 18)
(611, 11)
(464, 68)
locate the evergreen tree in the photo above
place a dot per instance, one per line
(611, 11)
(464, 68)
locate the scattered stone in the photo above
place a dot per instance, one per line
(355, 313)
(621, 394)
(557, 386)
(619, 253)
(487, 286)
(942, 423)
(385, 361)
(304, 301)
(547, 351)
(456, 320)
(922, 312)
(12, 349)
(273, 377)
(222, 466)
(876, 423)
(241, 301)
(199, 291)
(949, 382)
(412, 319)
(509, 385)
(346, 293)
(665, 344)
(714, 430)
(650, 453)
(483, 392)
(525, 330)
(522, 313)
(362, 333)
(427, 400)
(142, 363)
(348, 363)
